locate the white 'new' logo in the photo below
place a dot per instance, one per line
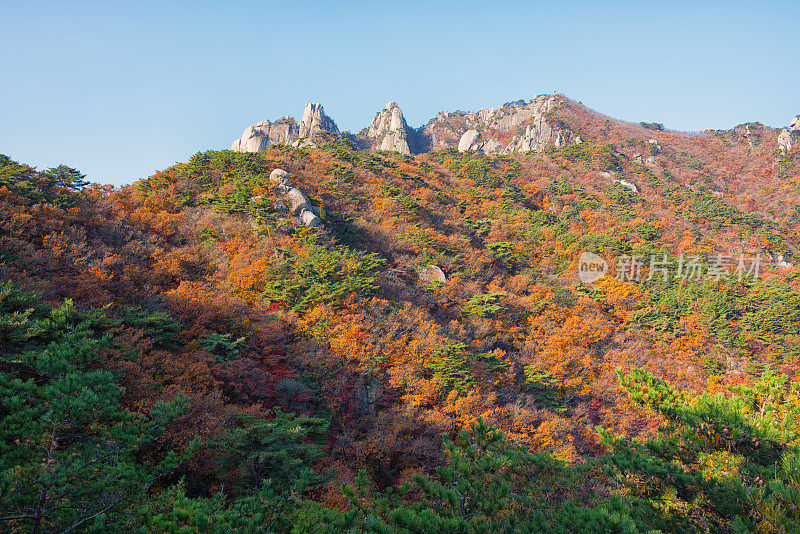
(591, 267)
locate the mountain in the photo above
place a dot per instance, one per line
(540, 318)
(285, 131)
(546, 121)
(388, 131)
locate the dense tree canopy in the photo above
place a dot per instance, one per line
(181, 356)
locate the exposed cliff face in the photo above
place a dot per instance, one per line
(389, 131)
(510, 128)
(261, 135)
(518, 127)
(790, 135)
(315, 121)
(785, 140)
(285, 131)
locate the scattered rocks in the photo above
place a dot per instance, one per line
(794, 124)
(293, 201)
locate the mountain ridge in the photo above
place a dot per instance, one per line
(515, 126)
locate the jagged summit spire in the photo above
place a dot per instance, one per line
(388, 130)
(314, 121)
(286, 131)
(519, 126)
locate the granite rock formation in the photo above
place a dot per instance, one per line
(389, 131)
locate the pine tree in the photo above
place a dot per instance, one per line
(68, 451)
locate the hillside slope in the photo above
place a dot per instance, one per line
(228, 302)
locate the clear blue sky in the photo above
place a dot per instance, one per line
(121, 89)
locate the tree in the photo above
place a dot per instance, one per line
(451, 364)
(719, 463)
(487, 484)
(223, 346)
(64, 177)
(69, 454)
(278, 451)
(484, 305)
(319, 274)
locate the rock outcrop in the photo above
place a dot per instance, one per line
(789, 135)
(389, 131)
(262, 134)
(293, 200)
(431, 273)
(626, 184)
(286, 131)
(315, 121)
(515, 127)
(785, 140)
(489, 130)
(469, 141)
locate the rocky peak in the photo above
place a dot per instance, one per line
(285, 131)
(262, 134)
(389, 131)
(315, 121)
(488, 130)
(516, 127)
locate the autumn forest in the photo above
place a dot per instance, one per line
(182, 355)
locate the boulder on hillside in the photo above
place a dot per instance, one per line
(469, 141)
(279, 176)
(297, 201)
(432, 273)
(309, 218)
